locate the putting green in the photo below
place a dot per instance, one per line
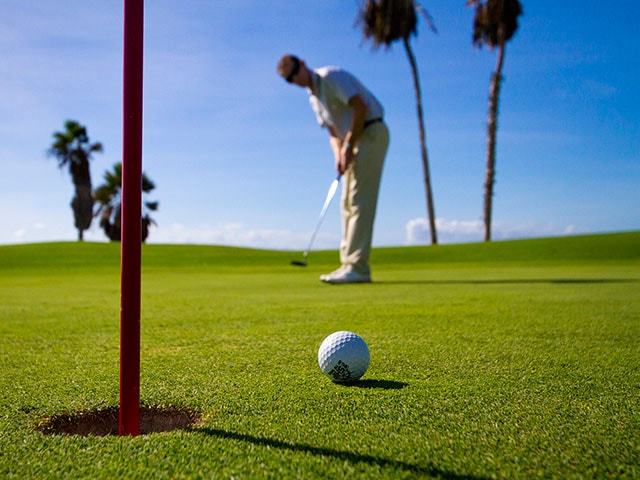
(512, 359)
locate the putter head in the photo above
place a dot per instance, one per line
(299, 263)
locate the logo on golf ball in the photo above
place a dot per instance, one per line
(343, 356)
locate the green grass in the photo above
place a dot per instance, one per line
(511, 360)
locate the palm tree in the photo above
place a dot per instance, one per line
(384, 22)
(72, 148)
(494, 24)
(108, 196)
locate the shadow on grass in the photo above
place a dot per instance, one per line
(351, 457)
(373, 383)
(508, 281)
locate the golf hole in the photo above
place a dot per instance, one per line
(153, 419)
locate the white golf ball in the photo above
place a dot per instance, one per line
(343, 356)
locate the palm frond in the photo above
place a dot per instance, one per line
(427, 18)
(108, 195)
(71, 146)
(103, 194)
(386, 21)
(96, 147)
(149, 220)
(495, 21)
(147, 184)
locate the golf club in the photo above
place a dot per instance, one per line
(330, 194)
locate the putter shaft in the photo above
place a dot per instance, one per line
(333, 188)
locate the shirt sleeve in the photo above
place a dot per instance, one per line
(317, 108)
(344, 85)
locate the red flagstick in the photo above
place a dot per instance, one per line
(129, 416)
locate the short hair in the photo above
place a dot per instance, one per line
(284, 61)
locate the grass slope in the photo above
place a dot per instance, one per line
(511, 360)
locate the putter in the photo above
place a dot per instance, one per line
(330, 194)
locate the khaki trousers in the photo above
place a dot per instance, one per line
(361, 184)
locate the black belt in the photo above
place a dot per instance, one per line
(372, 121)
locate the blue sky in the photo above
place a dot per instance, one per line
(238, 158)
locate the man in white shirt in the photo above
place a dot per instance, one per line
(359, 139)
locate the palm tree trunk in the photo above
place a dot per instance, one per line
(82, 206)
(82, 203)
(492, 127)
(423, 143)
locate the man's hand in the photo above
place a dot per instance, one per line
(346, 158)
(343, 146)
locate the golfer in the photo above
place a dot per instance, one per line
(359, 139)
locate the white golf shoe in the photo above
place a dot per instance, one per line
(325, 277)
(345, 275)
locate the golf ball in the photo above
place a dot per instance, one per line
(343, 356)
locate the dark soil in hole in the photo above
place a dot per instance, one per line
(105, 421)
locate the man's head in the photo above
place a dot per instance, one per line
(294, 70)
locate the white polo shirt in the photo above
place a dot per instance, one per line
(329, 99)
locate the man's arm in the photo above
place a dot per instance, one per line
(336, 146)
(360, 112)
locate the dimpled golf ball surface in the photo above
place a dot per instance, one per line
(343, 356)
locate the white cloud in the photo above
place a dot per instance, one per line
(28, 225)
(241, 235)
(237, 234)
(26, 234)
(417, 231)
(457, 231)
(20, 235)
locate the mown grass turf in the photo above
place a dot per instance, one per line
(512, 360)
